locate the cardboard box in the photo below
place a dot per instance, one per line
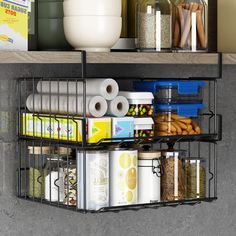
(42, 126)
(14, 25)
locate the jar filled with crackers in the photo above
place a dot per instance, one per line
(190, 25)
(173, 184)
(168, 121)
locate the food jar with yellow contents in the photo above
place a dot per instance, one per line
(123, 177)
(173, 185)
(195, 173)
(178, 119)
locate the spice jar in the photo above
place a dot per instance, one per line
(149, 175)
(154, 25)
(190, 20)
(195, 172)
(37, 160)
(173, 184)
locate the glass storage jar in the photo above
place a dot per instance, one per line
(54, 175)
(149, 177)
(190, 25)
(195, 172)
(143, 127)
(37, 160)
(154, 27)
(173, 186)
(178, 119)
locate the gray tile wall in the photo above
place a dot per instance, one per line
(21, 218)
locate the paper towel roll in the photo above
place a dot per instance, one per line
(107, 88)
(118, 107)
(96, 106)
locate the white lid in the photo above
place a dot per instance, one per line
(138, 97)
(143, 121)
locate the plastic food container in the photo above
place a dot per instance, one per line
(149, 172)
(173, 91)
(178, 119)
(140, 103)
(143, 127)
(173, 184)
(195, 171)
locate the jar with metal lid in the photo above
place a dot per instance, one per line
(195, 172)
(190, 25)
(37, 161)
(154, 25)
(173, 186)
(70, 182)
(54, 175)
(149, 175)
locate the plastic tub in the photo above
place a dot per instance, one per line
(178, 119)
(173, 91)
(140, 103)
(143, 127)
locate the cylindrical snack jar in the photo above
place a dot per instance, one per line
(149, 177)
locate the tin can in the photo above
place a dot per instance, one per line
(93, 179)
(123, 177)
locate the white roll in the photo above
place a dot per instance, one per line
(96, 106)
(118, 107)
(107, 88)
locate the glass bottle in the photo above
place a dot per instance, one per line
(154, 25)
(190, 25)
(173, 186)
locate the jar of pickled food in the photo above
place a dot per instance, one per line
(173, 186)
(190, 25)
(154, 25)
(195, 172)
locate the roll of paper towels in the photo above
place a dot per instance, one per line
(96, 106)
(107, 88)
(118, 107)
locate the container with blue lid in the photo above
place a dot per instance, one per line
(177, 119)
(173, 91)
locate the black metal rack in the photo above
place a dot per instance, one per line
(202, 145)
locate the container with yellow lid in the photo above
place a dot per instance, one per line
(149, 177)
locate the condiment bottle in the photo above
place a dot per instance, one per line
(190, 25)
(154, 25)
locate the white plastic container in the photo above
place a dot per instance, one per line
(123, 177)
(97, 180)
(140, 103)
(149, 174)
(143, 127)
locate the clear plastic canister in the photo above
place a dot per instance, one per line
(173, 186)
(149, 177)
(195, 172)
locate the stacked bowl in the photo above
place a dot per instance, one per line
(92, 25)
(50, 25)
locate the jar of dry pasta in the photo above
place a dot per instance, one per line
(173, 185)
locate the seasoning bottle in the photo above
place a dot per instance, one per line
(37, 159)
(173, 186)
(190, 25)
(54, 175)
(195, 172)
(154, 25)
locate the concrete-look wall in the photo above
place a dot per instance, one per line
(23, 218)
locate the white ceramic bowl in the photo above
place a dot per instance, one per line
(92, 7)
(92, 33)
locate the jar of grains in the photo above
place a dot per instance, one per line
(154, 25)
